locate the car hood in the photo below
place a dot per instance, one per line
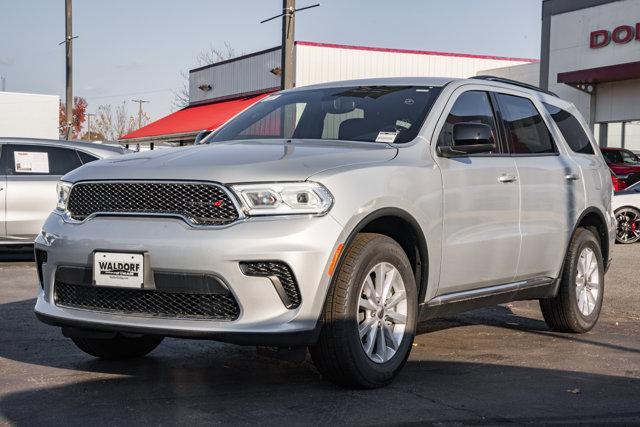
(624, 169)
(237, 161)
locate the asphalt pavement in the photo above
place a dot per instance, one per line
(493, 366)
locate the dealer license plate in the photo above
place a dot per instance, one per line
(122, 270)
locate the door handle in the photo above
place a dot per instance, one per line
(572, 177)
(504, 178)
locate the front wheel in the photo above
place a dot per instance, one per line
(628, 225)
(369, 316)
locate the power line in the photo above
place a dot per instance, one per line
(129, 94)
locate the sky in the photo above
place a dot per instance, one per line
(137, 49)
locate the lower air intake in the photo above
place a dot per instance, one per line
(147, 302)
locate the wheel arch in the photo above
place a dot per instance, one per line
(594, 218)
(402, 227)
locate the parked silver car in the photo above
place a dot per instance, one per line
(29, 172)
(337, 217)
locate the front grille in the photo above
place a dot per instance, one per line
(282, 272)
(198, 203)
(147, 302)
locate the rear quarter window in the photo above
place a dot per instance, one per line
(571, 130)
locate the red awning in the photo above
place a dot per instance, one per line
(196, 118)
(611, 73)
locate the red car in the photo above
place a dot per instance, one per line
(624, 165)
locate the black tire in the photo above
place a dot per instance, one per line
(118, 347)
(562, 313)
(627, 225)
(339, 353)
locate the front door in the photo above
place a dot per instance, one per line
(481, 236)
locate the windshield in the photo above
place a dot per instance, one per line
(391, 114)
(620, 156)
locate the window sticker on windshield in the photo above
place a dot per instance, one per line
(31, 162)
(386, 136)
(403, 123)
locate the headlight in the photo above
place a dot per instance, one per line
(284, 198)
(63, 189)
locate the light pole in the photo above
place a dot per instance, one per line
(89, 124)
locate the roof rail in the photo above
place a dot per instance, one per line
(513, 82)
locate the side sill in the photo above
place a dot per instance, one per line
(458, 302)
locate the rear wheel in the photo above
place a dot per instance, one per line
(628, 225)
(118, 347)
(577, 306)
(369, 316)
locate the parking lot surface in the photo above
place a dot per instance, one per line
(492, 366)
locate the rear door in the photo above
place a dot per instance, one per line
(3, 194)
(481, 237)
(32, 174)
(550, 186)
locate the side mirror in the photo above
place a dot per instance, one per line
(469, 138)
(200, 136)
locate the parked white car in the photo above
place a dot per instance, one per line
(626, 205)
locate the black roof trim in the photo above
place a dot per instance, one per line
(513, 82)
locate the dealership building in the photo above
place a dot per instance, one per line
(590, 56)
(219, 91)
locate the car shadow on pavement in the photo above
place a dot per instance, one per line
(16, 253)
(153, 392)
(198, 382)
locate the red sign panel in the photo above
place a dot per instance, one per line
(622, 34)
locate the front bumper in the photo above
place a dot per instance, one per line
(305, 243)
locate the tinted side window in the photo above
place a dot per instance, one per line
(525, 129)
(86, 158)
(42, 160)
(571, 130)
(470, 107)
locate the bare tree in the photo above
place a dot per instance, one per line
(113, 123)
(207, 56)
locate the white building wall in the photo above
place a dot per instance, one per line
(29, 115)
(320, 64)
(569, 50)
(525, 73)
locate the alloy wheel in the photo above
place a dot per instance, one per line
(382, 312)
(587, 281)
(628, 225)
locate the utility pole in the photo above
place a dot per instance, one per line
(69, 49)
(89, 125)
(288, 32)
(140, 102)
(287, 67)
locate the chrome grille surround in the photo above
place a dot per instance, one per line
(198, 203)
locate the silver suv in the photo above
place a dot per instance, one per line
(337, 217)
